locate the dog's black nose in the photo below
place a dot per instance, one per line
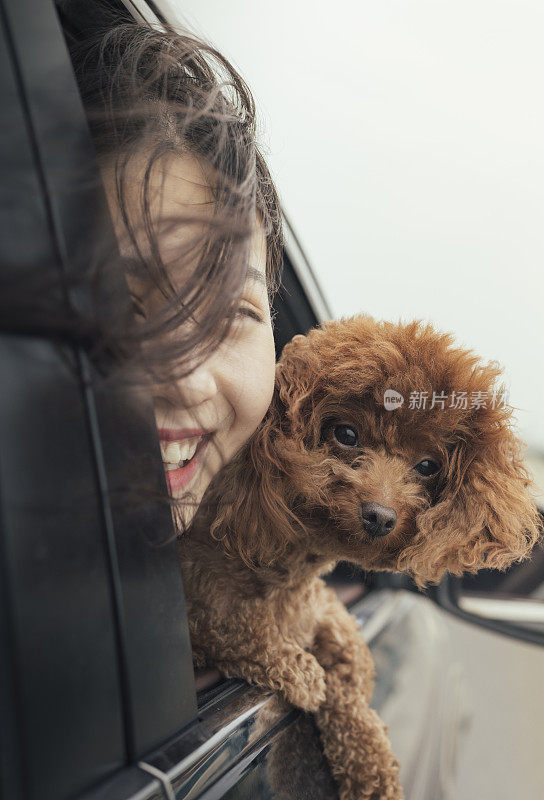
(378, 520)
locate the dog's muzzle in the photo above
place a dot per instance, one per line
(378, 520)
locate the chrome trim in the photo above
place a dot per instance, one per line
(142, 12)
(304, 272)
(228, 733)
(156, 773)
(223, 731)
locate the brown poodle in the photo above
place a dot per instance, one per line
(333, 474)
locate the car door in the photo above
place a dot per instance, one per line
(95, 654)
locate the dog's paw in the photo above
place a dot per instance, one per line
(307, 689)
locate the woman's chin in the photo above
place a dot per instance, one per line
(188, 498)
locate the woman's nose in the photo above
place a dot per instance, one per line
(198, 386)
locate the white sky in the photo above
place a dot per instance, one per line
(407, 141)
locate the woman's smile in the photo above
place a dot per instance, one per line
(182, 455)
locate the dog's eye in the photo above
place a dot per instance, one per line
(427, 467)
(346, 435)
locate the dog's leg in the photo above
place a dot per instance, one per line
(262, 656)
(356, 745)
(354, 738)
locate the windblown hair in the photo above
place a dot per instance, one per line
(159, 92)
(150, 94)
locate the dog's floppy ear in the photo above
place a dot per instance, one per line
(252, 493)
(296, 375)
(485, 516)
(255, 493)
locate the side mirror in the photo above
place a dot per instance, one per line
(511, 602)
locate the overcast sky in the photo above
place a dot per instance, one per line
(407, 142)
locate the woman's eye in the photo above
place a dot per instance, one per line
(245, 311)
(427, 467)
(346, 435)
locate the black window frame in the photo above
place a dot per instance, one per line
(136, 668)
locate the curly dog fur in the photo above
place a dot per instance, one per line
(288, 508)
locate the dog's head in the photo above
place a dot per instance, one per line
(431, 484)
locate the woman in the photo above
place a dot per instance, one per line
(199, 228)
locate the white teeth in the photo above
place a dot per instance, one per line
(170, 453)
(174, 453)
(188, 449)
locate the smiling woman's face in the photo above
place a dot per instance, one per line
(205, 417)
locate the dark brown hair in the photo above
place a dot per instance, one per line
(159, 92)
